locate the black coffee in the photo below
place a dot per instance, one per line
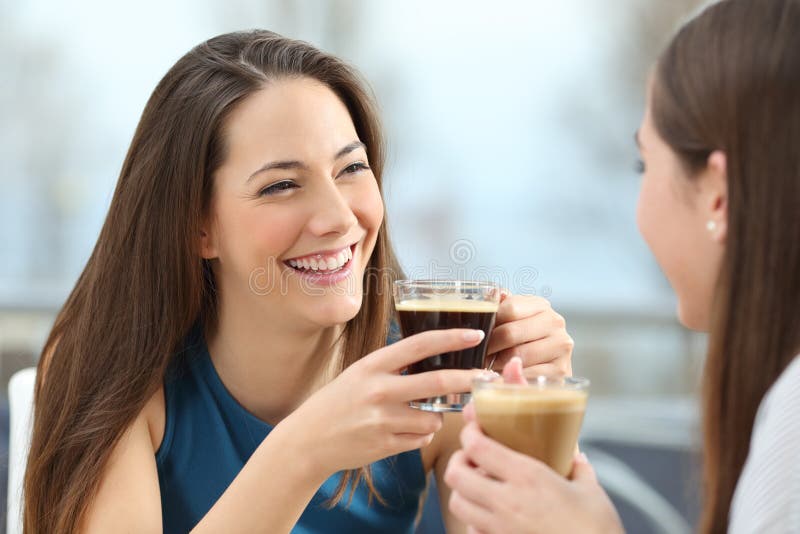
(436, 314)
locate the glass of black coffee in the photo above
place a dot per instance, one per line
(440, 304)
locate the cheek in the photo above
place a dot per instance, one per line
(659, 219)
(253, 236)
(367, 205)
(274, 233)
(646, 210)
(668, 226)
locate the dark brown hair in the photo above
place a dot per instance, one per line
(730, 81)
(145, 284)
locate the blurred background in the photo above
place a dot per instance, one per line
(511, 156)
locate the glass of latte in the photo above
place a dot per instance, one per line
(541, 418)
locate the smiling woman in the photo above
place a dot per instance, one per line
(314, 198)
(173, 395)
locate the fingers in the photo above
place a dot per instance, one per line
(409, 442)
(420, 346)
(433, 383)
(504, 294)
(470, 513)
(525, 329)
(469, 492)
(465, 479)
(403, 419)
(513, 307)
(582, 470)
(469, 412)
(555, 351)
(498, 461)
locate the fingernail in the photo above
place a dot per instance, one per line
(488, 375)
(583, 458)
(474, 335)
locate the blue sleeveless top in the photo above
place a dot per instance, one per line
(209, 436)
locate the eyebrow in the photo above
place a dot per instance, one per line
(295, 164)
(636, 138)
(355, 145)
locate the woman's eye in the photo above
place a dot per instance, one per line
(639, 166)
(278, 188)
(355, 167)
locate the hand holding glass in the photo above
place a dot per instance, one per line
(434, 305)
(541, 418)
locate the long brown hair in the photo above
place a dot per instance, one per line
(145, 284)
(730, 81)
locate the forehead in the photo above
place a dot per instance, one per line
(289, 117)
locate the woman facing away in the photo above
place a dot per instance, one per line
(720, 209)
(221, 365)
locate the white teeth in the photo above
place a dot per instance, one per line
(318, 263)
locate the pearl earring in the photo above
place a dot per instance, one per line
(711, 226)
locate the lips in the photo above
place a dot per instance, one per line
(323, 262)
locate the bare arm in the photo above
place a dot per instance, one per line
(279, 498)
(368, 402)
(448, 444)
(128, 498)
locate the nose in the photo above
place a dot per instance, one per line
(332, 213)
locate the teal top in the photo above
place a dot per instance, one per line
(209, 436)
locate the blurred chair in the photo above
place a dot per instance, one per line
(622, 482)
(645, 454)
(20, 400)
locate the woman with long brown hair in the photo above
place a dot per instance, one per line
(221, 365)
(720, 209)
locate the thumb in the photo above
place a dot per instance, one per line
(469, 412)
(512, 372)
(582, 470)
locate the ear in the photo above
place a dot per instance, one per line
(208, 241)
(715, 195)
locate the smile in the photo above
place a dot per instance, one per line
(327, 262)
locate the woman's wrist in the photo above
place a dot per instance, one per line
(294, 443)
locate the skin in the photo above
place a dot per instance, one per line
(496, 490)
(672, 215)
(256, 222)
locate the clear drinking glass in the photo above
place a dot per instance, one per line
(440, 304)
(541, 418)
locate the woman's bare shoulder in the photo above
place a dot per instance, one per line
(154, 411)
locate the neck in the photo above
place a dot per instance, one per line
(270, 367)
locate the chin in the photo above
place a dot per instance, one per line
(336, 310)
(692, 318)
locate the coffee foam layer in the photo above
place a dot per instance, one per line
(530, 400)
(445, 304)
